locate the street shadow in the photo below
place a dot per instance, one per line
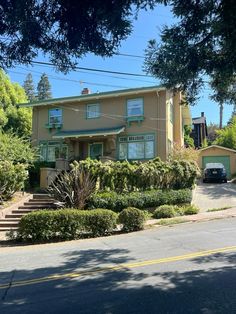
(217, 190)
(202, 288)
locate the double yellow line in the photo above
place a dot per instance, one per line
(126, 266)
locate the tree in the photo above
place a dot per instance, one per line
(44, 88)
(29, 87)
(188, 140)
(212, 132)
(18, 120)
(227, 136)
(200, 45)
(65, 30)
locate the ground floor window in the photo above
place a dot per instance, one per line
(136, 147)
(50, 151)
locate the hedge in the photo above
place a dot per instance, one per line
(141, 200)
(132, 219)
(65, 224)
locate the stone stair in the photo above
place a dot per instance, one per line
(39, 201)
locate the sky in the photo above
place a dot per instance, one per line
(147, 26)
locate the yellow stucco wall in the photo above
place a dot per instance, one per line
(156, 121)
(216, 151)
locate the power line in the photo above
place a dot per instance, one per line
(96, 70)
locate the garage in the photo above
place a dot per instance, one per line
(218, 154)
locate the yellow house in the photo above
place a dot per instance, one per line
(132, 124)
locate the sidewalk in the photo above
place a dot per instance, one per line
(203, 216)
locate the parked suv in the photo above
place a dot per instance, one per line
(214, 171)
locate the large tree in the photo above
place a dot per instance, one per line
(199, 46)
(64, 29)
(29, 87)
(18, 120)
(227, 136)
(44, 88)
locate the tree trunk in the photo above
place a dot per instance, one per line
(221, 116)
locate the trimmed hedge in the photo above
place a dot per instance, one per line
(66, 224)
(141, 200)
(165, 211)
(132, 219)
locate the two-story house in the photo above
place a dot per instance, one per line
(132, 124)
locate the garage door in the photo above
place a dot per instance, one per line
(225, 160)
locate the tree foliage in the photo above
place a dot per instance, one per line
(65, 30)
(227, 136)
(44, 88)
(202, 43)
(19, 120)
(29, 87)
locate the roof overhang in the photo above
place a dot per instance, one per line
(218, 146)
(88, 133)
(95, 96)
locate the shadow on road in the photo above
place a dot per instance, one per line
(209, 288)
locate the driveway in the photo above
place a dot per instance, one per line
(214, 195)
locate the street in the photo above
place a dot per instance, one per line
(186, 268)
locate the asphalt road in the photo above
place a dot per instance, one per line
(188, 268)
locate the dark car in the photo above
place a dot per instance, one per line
(214, 172)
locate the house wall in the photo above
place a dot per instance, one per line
(178, 134)
(215, 151)
(156, 121)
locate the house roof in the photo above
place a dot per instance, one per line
(96, 96)
(89, 133)
(199, 120)
(218, 146)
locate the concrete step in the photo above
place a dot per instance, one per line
(22, 211)
(15, 215)
(36, 206)
(41, 201)
(8, 228)
(9, 223)
(41, 196)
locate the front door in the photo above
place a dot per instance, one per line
(95, 150)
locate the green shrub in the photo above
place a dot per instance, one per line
(65, 224)
(132, 219)
(164, 211)
(190, 210)
(100, 222)
(141, 200)
(12, 178)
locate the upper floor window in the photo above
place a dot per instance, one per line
(135, 107)
(55, 116)
(93, 111)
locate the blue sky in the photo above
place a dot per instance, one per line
(147, 26)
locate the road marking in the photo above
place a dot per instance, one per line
(126, 266)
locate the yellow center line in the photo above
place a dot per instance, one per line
(119, 267)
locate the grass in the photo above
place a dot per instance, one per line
(170, 221)
(218, 209)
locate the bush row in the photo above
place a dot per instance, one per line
(141, 200)
(66, 224)
(130, 176)
(169, 211)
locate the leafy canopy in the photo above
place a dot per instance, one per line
(227, 136)
(202, 43)
(16, 149)
(65, 30)
(18, 120)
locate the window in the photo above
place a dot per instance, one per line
(136, 147)
(93, 111)
(50, 151)
(135, 107)
(55, 116)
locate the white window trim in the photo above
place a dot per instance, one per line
(97, 112)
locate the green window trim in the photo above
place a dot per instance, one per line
(135, 114)
(139, 144)
(50, 148)
(95, 114)
(55, 118)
